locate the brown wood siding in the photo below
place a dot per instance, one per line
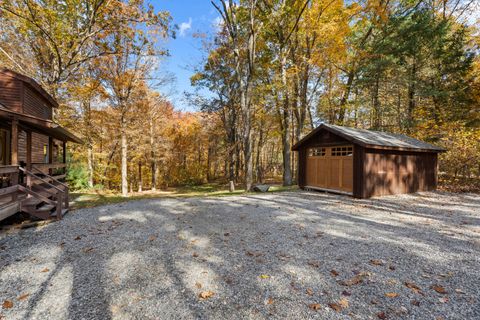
(36, 105)
(393, 172)
(11, 92)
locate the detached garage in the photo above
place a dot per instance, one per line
(365, 163)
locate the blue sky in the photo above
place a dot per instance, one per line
(191, 16)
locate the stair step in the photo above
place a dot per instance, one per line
(32, 201)
(54, 213)
(46, 208)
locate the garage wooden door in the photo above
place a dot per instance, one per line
(330, 168)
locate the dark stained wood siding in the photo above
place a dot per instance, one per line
(21, 97)
(378, 172)
(393, 172)
(38, 142)
(35, 105)
(11, 92)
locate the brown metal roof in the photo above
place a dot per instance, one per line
(374, 139)
(32, 83)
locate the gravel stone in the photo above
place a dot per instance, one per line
(289, 255)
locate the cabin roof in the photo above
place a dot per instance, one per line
(371, 138)
(32, 83)
(44, 126)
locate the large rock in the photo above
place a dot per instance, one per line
(261, 188)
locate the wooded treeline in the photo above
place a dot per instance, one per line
(276, 69)
(280, 67)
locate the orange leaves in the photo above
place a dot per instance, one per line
(206, 295)
(315, 306)
(340, 305)
(45, 270)
(7, 304)
(439, 289)
(413, 287)
(391, 294)
(357, 279)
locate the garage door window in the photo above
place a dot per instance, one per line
(342, 151)
(317, 152)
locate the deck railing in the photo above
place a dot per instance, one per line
(8, 176)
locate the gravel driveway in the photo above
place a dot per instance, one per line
(295, 255)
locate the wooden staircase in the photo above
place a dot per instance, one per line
(46, 196)
(40, 195)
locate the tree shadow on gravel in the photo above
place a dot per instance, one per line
(265, 256)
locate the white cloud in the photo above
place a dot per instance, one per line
(185, 26)
(217, 23)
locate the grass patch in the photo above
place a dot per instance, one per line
(88, 199)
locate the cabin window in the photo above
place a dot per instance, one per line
(317, 152)
(342, 151)
(45, 153)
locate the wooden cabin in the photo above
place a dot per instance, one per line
(32, 150)
(365, 163)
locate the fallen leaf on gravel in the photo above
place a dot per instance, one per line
(413, 287)
(88, 249)
(391, 294)
(443, 300)
(270, 301)
(45, 270)
(77, 238)
(254, 254)
(152, 238)
(7, 304)
(459, 291)
(264, 276)
(381, 315)
(206, 294)
(346, 293)
(377, 262)
(355, 279)
(343, 302)
(195, 255)
(335, 306)
(198, 285)
(315, 306)
(226, 234)
(391, 267)
(309, 291)
(315, 264)
(439, 289)
(415, 303)
(334, 273)
(23, 296)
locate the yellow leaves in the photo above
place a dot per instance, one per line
(45, 270)
(206, 295)
(264, 276)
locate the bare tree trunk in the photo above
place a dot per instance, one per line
(287, 172)
(140, 179)
(153, 155)
(124, 146)
(90, 165)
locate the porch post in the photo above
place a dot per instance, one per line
(29, 150)
(14, 142)
(64, 150)
(29, 158)
(50, 153)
